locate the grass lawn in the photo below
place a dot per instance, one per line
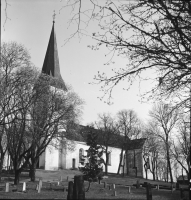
(97, 191)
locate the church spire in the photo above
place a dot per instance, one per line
(51, 65)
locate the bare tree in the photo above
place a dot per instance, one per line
(153, 36)
(13, 57)
(181, 148)
(152, 149)
(53, 110)
(129, 127)
(108, 136)
(165, 118)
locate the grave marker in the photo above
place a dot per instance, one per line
(149, 191)
(129, 189)
(157, 187)
(24, 187)
(114, 193)
(138, 184)
(6, 187)
(39, 185)
(78, 189)
(70, 190)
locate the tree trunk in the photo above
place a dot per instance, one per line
(127, 166)
(17, 176)
(169, 164)
(121, 158)
(33, 170)
(145, 167)
(1, 167)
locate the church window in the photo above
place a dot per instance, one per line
(109, 158)
(81, 154)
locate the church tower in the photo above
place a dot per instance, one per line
(51, 65)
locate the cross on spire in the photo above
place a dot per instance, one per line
(54, 16)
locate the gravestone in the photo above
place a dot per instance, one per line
(39, 185)
(149, 191)
(70, 190)
(24, 187)
(114, 193)
(177, 186)
(114, 186)
(138, 184)
(78, 189)
(129, 189)
(6, 187)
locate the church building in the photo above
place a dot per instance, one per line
(70, 158)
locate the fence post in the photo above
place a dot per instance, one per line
(149, 192)
(70, 190)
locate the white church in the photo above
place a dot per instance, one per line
(65, 158)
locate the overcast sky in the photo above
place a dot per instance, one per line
(29, 23)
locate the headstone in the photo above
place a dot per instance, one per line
(39, 185)
(157, 187)
(6, 187)
(70, 190)
(129, 189)
(181, 193)
(138, 184)
(114, 193)
(78, 190)
(114, 186)
(177, 186)
(149, 191)
(172, 187)
(24, 187)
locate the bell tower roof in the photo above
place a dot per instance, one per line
(51, 65)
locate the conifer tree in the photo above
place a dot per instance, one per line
(93, 168)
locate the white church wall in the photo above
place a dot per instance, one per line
(42, 161)
(113, 160)
(51, 158)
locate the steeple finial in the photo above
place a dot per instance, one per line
(54, 16)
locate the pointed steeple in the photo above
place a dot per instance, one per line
(51, 65)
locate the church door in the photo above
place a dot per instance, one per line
(73, 163)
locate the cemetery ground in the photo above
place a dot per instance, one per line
(55, 183)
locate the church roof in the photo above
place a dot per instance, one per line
(51, 65)
(118, 141)
(135, 144)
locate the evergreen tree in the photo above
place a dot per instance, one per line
(93, 168)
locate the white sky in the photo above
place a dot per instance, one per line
(30, 23)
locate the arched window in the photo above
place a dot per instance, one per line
(109, 158)
(81, 154)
